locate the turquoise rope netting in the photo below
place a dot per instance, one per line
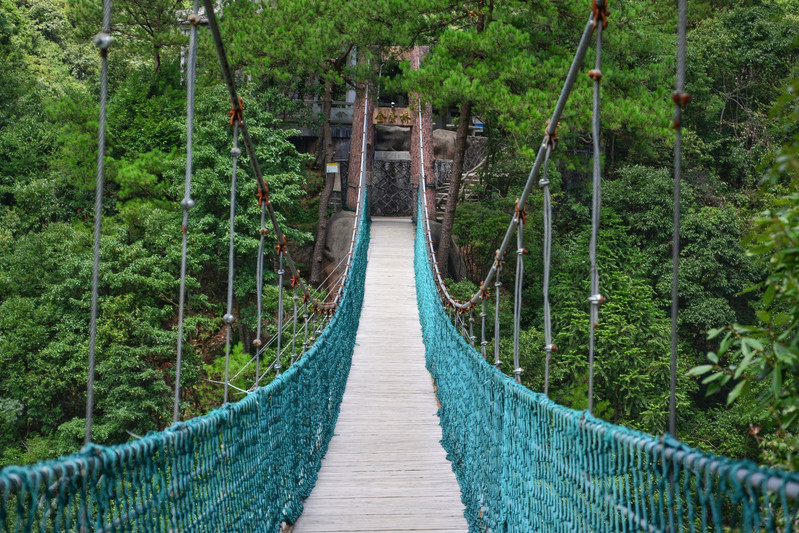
(525, 463)
(244, 467)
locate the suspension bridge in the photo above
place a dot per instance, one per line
(391, 417)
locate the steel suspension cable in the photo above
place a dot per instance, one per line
(550, 133)
(187, 202)
(681, 98)
(237, 111)
(103, 41)
(595, 299)
(228, 318)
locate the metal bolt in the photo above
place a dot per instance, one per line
(187, 203)
(228, 318)
(235, 152)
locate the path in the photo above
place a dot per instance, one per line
(385, 470)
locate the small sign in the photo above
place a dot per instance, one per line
(392, 116)
(332, 168)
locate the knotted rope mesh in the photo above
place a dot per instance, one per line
(525, 463)
(244, 467)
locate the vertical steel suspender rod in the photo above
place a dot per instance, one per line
(280, 274)
(294, 299)
(103, 42)
(548, 346)
(228, 318)
(681, 98)
(187, 202)
(595, 299)
(483, 341)
(517, 293)
(497, 286)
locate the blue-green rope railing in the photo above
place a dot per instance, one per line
(525, 463)
(244, 467)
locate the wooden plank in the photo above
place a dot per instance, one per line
(385, 469)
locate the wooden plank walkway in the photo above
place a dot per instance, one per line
(385, 470)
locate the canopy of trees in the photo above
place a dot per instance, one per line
(500, 60)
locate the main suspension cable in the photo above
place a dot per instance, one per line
(550, 132)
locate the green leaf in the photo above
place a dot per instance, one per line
(713, 333)
(736, 391)
(701, 369)
(771, 290)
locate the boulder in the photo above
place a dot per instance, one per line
(337, 246)
(443, 144)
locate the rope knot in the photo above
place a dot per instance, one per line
(681, 99)
(262, 194)
(295, 281)
(521, 214)
(551, 139)
(601, 13)
(595, 74)
(280, 248)
(483, 290)
(236, 114)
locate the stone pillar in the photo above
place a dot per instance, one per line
(356, 143)
(417, 54)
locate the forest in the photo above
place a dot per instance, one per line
(500, 60)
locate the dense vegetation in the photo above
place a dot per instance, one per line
(507, 59)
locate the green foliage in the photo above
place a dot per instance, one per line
(767, 352)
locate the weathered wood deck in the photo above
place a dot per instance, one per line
(385, 469)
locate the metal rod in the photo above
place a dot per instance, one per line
(548, 347)
(595, 299)
(103, 42)
(235, 152)
(294, 299)
(280, 273)
(517, 295)
(186, 203)
(497, 286)
(675, 248)
(471, 327)
(483, 341)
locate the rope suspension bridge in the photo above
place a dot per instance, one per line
(520, 461)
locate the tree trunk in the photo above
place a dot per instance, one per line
(454, 186)
(324, 200)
